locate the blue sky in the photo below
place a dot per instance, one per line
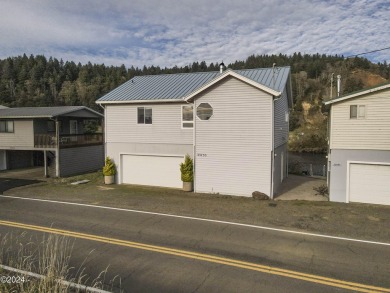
(168, 32)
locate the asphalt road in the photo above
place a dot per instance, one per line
(9, 183)
(170, 265)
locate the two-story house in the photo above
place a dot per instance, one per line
(359, 150)
(64, 140)
(233, 123)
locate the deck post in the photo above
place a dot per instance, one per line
(45, 162)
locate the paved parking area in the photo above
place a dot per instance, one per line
(15, 178)
(301, 188)
(33, 173)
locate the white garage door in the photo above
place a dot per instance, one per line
(369, 183)
(152, 170)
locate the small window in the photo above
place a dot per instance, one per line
(6, 126)
(357, 112)
(187, 116)
(204, 111)
(144, 115)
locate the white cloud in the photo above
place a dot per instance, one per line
(169, 32)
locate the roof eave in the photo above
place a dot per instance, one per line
(25, 117)
(75, 110)
(230, 72)
(141, 101)
(361, 93)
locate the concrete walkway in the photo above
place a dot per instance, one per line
(301, 188)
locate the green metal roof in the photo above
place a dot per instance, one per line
(178, 86)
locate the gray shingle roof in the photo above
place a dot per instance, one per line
(178, 86)
(41, 112)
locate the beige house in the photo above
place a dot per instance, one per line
(233, 123)
(359, 150)
(55, 138)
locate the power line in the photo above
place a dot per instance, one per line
(367, 52)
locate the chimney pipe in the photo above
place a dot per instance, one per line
(221, 67)
(338, 85)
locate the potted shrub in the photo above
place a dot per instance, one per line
(109, 171)
(187, 173)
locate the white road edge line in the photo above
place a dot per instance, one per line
(200, 219)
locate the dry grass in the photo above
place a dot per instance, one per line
(49, 258)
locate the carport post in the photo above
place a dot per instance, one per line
(45, 162)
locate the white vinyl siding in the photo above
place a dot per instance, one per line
(372, 132)
(122, 126)
(22, 135)
(280, 124)
(233, 147)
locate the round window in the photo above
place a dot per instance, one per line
(204, 111)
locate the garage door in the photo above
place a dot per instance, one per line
(369, 183)
(152, 170)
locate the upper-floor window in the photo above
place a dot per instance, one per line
(204, 111)
(7, 126)
(187, 116)
(357, 112)
(144, 115)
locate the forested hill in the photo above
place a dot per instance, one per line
(41, 81)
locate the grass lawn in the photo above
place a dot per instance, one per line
(363, 221)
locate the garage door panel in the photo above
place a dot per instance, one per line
(369, 183)
(152, 170)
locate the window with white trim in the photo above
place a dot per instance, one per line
(6, 126)
(357, 112)
(144, 115)
(204, 111)
(187, 116)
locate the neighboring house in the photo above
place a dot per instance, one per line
(57, 138)
(359, 153)
(234, 124)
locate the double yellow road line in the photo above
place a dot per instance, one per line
(205, 257)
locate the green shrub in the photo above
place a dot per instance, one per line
(187, 170)
(109, 168)
(321, 190)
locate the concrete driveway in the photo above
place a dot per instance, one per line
(301, 188)
(15, 178)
